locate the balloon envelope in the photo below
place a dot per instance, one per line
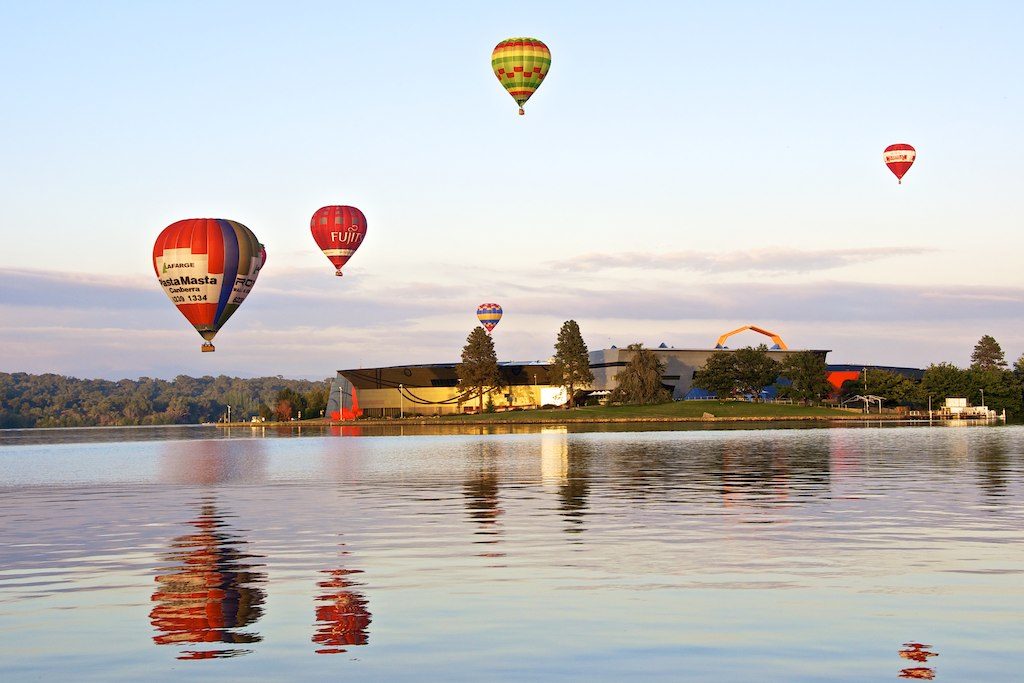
(488, 315)
(207, 266)
(521, 65)
(899, 158)
(338, 231)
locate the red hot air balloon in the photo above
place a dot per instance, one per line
(207, 266)
(899, 158)
(338, 231)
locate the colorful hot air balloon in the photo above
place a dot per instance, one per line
(899, 158)
(207, 266)
(488, 315)
(521, 65)
(338, 230)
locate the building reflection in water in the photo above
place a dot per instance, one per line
(338, 430)
(564, 470)
(774, 476)
(554, 457)
(210, 592)
(342, 616)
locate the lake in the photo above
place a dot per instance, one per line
(807, 554)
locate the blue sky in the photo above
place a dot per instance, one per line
(686, 168)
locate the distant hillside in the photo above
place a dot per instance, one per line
(58, 401)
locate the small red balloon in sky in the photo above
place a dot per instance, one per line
(899, 158)
(338, 231)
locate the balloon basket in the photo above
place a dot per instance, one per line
(338, 273)
(522, 112)
(207, 347)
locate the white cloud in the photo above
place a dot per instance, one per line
(766, 260)
(307, 324)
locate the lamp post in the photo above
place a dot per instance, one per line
(229, 414)
(982, 398)
(401, 400)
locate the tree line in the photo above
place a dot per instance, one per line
(804, 376)
(51, 400)
(749, 372)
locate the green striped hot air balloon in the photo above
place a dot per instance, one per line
(521, 65)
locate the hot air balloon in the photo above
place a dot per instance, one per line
(899, 158)
(338, 230)
(521, 65)
(207, 266)
(488, 315)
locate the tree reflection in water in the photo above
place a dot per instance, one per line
(481, 491)
(993, 463)
(210, 592)
(576, 488)
(342, 617)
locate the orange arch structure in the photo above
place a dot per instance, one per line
(779, 344)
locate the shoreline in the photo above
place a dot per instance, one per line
(462, 422)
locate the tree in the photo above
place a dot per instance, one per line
(755, 370)
(807, 374)
(479, 366)
(1018, 367)
(718, 374)
(56, 401)
(945, 380)
(988, 355)
(571, 368)
(639, 383)
(295, 400)
(1000, 388)
(284, 409)
(316, 401)
(892, 386)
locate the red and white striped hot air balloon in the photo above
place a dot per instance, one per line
(207, 266)
(338, 231)
(899, 158)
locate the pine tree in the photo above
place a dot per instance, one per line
(988, 355)
(571, 368)
(639, 382)
(479, 366)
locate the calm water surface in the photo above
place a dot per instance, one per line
(736, 555)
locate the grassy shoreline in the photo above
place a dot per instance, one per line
(680, 411)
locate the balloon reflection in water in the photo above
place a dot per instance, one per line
(211, 591)
(917, 652)
(342, 617)
(202, 463)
